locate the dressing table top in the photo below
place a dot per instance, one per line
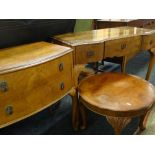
(101, 35)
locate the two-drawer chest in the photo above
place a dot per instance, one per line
(32, 77)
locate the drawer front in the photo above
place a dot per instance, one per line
(122, 47)
(28, 91)
(88, 53)
(148, 42)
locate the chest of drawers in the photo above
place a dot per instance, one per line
(32, 77)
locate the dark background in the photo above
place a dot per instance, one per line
(21, 31)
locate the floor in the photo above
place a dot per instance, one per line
(56, 120)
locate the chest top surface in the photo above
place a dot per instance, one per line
(101, 35)
(24, 56)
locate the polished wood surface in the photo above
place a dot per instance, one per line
(101, 35)
(121, 47)
(88, 53)
(19, 57)
(116, 42)
(33, 87)
(112, 95)
(122, 42)
(148, 42)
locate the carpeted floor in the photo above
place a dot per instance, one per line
(57, 121)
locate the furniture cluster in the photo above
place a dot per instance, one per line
(110, 23)
(111, 95)
(35, 76)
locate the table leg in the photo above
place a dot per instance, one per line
(75, 109)
(152, 61)
(95, 66)
(83, 115)
(143, 121)
(80, 72)
(118, 123)
(123, 64)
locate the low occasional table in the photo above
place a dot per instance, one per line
(119, 97)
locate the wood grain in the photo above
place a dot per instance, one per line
(112, 94)
(119, 97)
(19, 57)
(101, 35)
(121, 47)
(148, 42)
(88, 53)
(34, 88)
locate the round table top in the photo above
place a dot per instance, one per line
(117, 94)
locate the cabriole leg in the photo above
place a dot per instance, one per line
(118, 123)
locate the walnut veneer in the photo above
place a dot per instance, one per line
(33, 77)
(107, 43)
(95, 45)
(117, 96)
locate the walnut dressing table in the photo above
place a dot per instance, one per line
(96, 45)
(33, 77)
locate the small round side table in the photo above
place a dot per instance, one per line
(119, 97)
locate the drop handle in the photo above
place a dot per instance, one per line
(9, 110)
(62, 86)
(3, 86)
(123, 46)
(61, 67)
(90, 54)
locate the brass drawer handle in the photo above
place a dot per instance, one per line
(9, 110)
(61, 67)
(151, 42)
(62, 86)
(123, 46)
(90, 54)
(3, 86)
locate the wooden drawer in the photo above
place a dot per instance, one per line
(122, 47)
(27, 91)
(148, 42)
(88, 53)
